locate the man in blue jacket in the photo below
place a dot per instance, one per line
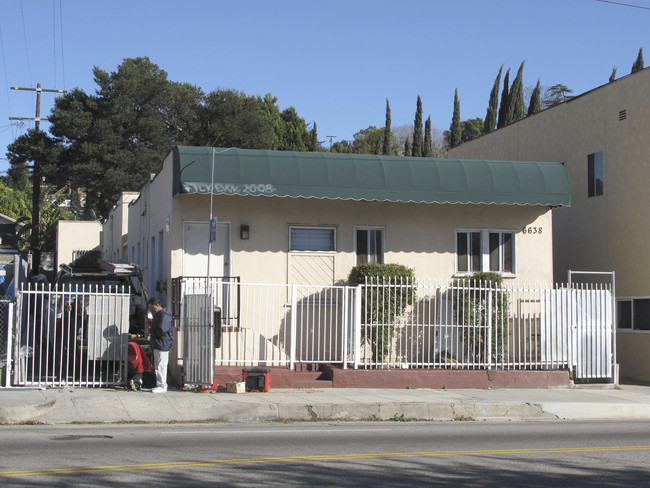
(161, 340)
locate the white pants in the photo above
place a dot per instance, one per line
(160, 360)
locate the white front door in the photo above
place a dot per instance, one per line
(196, 237)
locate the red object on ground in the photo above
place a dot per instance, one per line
(257, 379)
(213, 387)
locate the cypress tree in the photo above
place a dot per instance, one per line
(455, 133)
(516, 105)
(503, 108)
(638, 64)
(427, 151)
(313, 143)
(386, 146)
(612, 77)
(407, 147)
(535, 100)
(493, 106)
(416, 149)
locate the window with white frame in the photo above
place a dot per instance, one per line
(595, 174)
(633, 313)
(468, 251)
(369, 245)
(485, 250)
(501, 252)
(315, 239)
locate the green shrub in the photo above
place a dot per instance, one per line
(390, 290)
(470, 306)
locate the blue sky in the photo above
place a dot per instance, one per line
(335, 61)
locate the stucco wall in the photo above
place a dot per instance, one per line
(420, 236)
(632, 355)
(115, 228)
(76, 235)
(148, 222)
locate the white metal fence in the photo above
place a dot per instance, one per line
(413, 325)
(477, 325)
(71, 336)
(275, 325)
(79, 337)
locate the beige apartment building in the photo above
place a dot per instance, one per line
(308, 218)
(601, 137)
(279, 217)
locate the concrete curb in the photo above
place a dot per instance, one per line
(64, 406)
(21, 413)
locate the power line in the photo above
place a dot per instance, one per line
(61, 32)
(29, 66)
(10, 126)
(54, 37)
(4, 68)
(624, 4)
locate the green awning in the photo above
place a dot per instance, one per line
(361, 177)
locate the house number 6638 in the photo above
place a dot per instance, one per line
(531, 230)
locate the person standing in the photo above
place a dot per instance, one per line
(161, 341)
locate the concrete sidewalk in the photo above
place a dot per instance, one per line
(61, 406)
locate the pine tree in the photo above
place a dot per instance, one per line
(503, 108)
(455, 133)
(612, 77)
(493, 105)
(516, 105)
(427, 151)
(416, 148)
(535, 100)
(638, 64)
(386, 146)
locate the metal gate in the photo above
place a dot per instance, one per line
(198, 340)
(577, 330)
(70, 337)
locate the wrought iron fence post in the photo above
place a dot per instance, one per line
(294, 308)
(345, 316)
(356, 327)
(489, 329)
(9, 344)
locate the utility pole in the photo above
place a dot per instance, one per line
(331, 137)
(35, 244)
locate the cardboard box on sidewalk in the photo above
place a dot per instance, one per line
(236, 387)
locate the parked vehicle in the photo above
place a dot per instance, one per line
(109, 275)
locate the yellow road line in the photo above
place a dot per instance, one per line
(322, 457)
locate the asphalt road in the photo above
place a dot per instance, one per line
(449, 454)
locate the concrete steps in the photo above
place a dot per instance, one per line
(305, 376)
(328, 376)
(311, 379)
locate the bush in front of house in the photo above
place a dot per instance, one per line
(387, 290)
(478, 301)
